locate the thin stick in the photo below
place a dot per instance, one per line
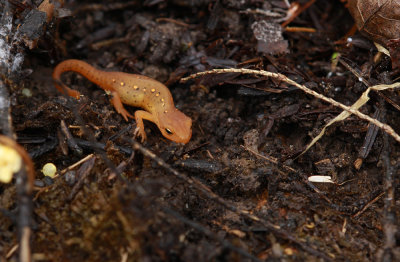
(210, 234)
(207, 192)
(370, 203)
(76, 164)
(388, 129)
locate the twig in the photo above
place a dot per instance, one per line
(370, 203)
(12, 251)
(356, 73)
(105, 7)
(298, 11)
(210, 234)
(290, 169)
(269, 159)
(300, 29)
(91, 137)
(368, 140)
(83, 172)
(388, 129)
(214, 197)
(25, 238)
(174, 21)
(70, 139)
(389, 220)
(76, 164)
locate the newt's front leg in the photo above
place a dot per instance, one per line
(116, 101)
(139, 116)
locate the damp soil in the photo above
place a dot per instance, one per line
(248, 133)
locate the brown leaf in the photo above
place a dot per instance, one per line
(378, 20)
(394, 49)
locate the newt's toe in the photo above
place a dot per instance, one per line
(139, 132)
(125, 114)
(75, 94)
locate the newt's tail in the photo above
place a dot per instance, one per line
(72, 65)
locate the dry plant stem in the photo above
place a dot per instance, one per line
(370, 203)
(388, 129)
(24, 184)
(108, 42)
(86, 158)
(298, 12)
(275, 229)
(83, 173)
(70, 139)
(12, 251)
(92, 138)
(103, 7)
(389, 220)
(365, 82)
(170, 20)
(270, 159)
(25, 250)
(300, 29)
(370, 136)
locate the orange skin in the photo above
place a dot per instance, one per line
(134, 90)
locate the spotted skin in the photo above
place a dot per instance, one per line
(134, 90)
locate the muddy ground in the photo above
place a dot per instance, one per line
(189, 202)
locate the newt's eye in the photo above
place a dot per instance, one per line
(169, 132)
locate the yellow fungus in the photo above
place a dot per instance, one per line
(49, 169)
(10, 163)
(26, 92)
(289, 251)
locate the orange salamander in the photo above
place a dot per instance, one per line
(134, 90)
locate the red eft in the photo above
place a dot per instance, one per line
(134, 90)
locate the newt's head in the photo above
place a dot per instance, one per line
(175, 125)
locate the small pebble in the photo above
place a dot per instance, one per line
(70, 178)
(48, 181)
(39, 183)
(251, 139)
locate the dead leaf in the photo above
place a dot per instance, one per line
(378, 20)
(394, 50)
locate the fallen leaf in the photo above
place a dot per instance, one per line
(376, 19)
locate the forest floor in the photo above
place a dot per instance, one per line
(239, 190)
